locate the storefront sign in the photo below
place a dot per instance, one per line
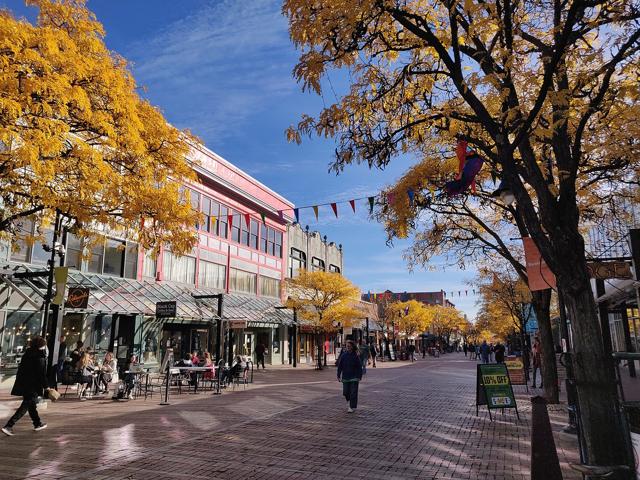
(493, 387)
(306, 329)
(166, 309)
(77, 298)
(604, 270)
(237, 324)
(515, 366)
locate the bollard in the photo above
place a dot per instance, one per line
(166, 388)
(544, 457)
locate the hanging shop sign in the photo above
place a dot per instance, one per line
(539, 274)
(237, 324)
(166, 309)
(493, 388)
(515, 366)
(77, 298)
(604, 270)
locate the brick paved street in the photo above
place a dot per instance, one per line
(414, 421)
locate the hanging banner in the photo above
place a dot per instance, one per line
(60, 274)
(539, 274)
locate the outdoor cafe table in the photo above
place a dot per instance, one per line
(139, 373)
(197, 371)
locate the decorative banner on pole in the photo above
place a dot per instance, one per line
(315, 210)
(334, 207)
(539, 274)
(371, 202)
(264, 218)
(60, 274)
(411, 195)
(247, 218)
(353, 205)
(296, 212)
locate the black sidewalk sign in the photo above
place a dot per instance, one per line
(493, 388)
(166, 309)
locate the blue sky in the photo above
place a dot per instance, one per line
(223, 70)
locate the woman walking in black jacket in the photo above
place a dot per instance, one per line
(350, 374)
(31, 383)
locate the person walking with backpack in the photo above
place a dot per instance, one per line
(350, 374)
(30, 383)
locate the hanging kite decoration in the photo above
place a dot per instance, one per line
(469, 164)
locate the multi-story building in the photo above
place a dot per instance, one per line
(309, 250)
(242, 253)
(428, 298)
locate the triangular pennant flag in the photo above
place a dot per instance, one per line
(230, 219)
(411, 195)
(334, 207)
(391, 197)
(315, 210)
(466, 293)
(247, 218)
(296, 212)
(264, 218)
(371, 202)
(213, 224)
(353, 205)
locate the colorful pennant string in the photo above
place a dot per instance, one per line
(264, 218)
(334, 207)
(296, 212)
(247, 219)
(353, 205)
(315, 210)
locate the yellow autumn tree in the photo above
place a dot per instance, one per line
(76, 137)
(323, 300)
(546, 93)
(412, 317)
(444, 321)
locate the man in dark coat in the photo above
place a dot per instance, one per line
(31, 383)
(260, 351)
(350, 374)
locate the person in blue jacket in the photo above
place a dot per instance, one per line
(350, 374)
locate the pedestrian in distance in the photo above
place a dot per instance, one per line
(30, 383)
(464, 349)
(498, 351)
(537, 361)
(260, 351)
(485, 350)
(350, 374)
(373, 352)
(412, 352)
(363, 352)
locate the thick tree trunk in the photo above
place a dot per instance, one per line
(594, 375)
(541, 301)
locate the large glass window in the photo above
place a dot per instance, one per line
(211, 275)
(131, 261)
(254, 234)
(39, 255)
(271, 242)
(222, 222)
(195, 201)
(73, 255)
(18, 330)
(149, 265)
(205, 208)
(96, 259)
(334, 268)
(21, 249)
(113, 257)
(298, 261)
(179, 269)
(244, 234)
(317, 264)
(235, 226)
(269, 287)
(240, 281)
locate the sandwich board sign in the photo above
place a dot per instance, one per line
(493, 388)
(515, 366)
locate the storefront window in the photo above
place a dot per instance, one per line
(131, 261)
(97, 255)
(211, 275)
(269, 287)
(240, 281)
(179, 269)
(38, 254)
(149, 266)
(113, 257)
(18, 330)
(72, 329)
(101, 334)
(150, 336)
(73, 255)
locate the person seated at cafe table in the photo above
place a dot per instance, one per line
(208, 362)
(76, 353)
(108, 371)
(129, 379)
(195, 358)
(86, 368)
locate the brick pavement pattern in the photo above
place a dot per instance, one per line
(414, 421)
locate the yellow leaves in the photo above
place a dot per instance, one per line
(80, 137)
(323, 298)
